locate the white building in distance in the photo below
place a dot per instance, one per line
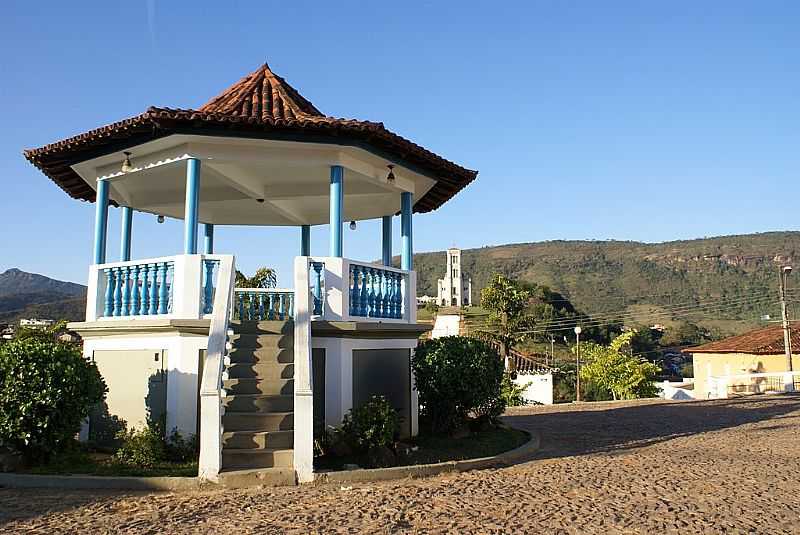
(455, 289)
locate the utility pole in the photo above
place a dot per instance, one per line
(577, 363)
(552, 349)
(787, 338)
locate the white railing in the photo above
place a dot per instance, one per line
(212, 393)
(259, 304)
(180, 286)
(724, 386)
(349, 290)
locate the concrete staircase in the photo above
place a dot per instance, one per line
(259, 408)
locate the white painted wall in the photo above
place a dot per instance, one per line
(539, 387)
(182, 370)
(339, 374)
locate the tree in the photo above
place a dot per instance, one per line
(624, 375)
(47, 389)
(264, 278)
(509, 318)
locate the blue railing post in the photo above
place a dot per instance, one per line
(101, 222)
(154, 290)
(126, 291)
(398, 296)
(355, 299)
(281, 304)
(363, 309)
(108, 305)
(162, 288)
(336, 207)
(125, 237)
(317, 266)
(145, 304)
(117, 292)
(135, 291)
(208, 294)
(305, 240)
(406, 230)
(190, 209)
(379, 308)
(387, 240)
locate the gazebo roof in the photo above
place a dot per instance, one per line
(261, 105)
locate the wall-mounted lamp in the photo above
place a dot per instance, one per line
(127, 167)
(390, 176)
(352, 225)
(160, 219)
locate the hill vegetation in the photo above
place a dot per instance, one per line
(28, 295)
(725, 284)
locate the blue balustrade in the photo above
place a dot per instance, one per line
(138, 289)
(375, 292)
(263, 304)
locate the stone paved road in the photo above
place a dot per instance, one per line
(728, 466)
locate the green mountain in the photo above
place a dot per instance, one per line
(727, 282)
(29, 295)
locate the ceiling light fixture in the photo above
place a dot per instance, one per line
(352, 225)
(127, 167)
(160, 219)
(390, 176)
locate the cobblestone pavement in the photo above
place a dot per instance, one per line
(726, 466)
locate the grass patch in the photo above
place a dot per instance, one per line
(436, 449)
(79, 462)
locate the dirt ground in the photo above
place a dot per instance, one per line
(726, 466)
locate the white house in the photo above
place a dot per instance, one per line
(455, 289)
(253, 371)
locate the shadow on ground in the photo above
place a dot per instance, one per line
(569, 430)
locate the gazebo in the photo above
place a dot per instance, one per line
(253, 371)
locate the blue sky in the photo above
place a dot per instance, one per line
(587, 120)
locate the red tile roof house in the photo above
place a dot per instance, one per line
(253, 371)
(748, 363)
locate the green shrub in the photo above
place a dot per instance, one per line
(457, 377)
(371, 425)
(180, 449)
(141, 448)
(511, 392)
(47, 389)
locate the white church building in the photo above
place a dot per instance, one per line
(455, 289)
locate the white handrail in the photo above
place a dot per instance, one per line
(211, 392)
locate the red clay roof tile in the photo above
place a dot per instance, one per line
(260, 105)
(766, 341)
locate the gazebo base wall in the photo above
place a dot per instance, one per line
(151, 369)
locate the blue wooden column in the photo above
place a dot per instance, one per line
(406, 230)
(192, 198)
(208, 233)
(125, 237)
(101, 222)
(305, 240)
(387, 240)
(337, 205)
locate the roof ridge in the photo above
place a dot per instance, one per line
(264, 96)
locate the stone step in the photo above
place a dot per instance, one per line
(250, 385)
(255, 355)
(263, 327)
(258, 421)
(262, 341)
(250, 458)
(261, 370)
(258, 439)
(270, 477)
(259, 403)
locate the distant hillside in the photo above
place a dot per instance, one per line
(687, 277)
(25, 295)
